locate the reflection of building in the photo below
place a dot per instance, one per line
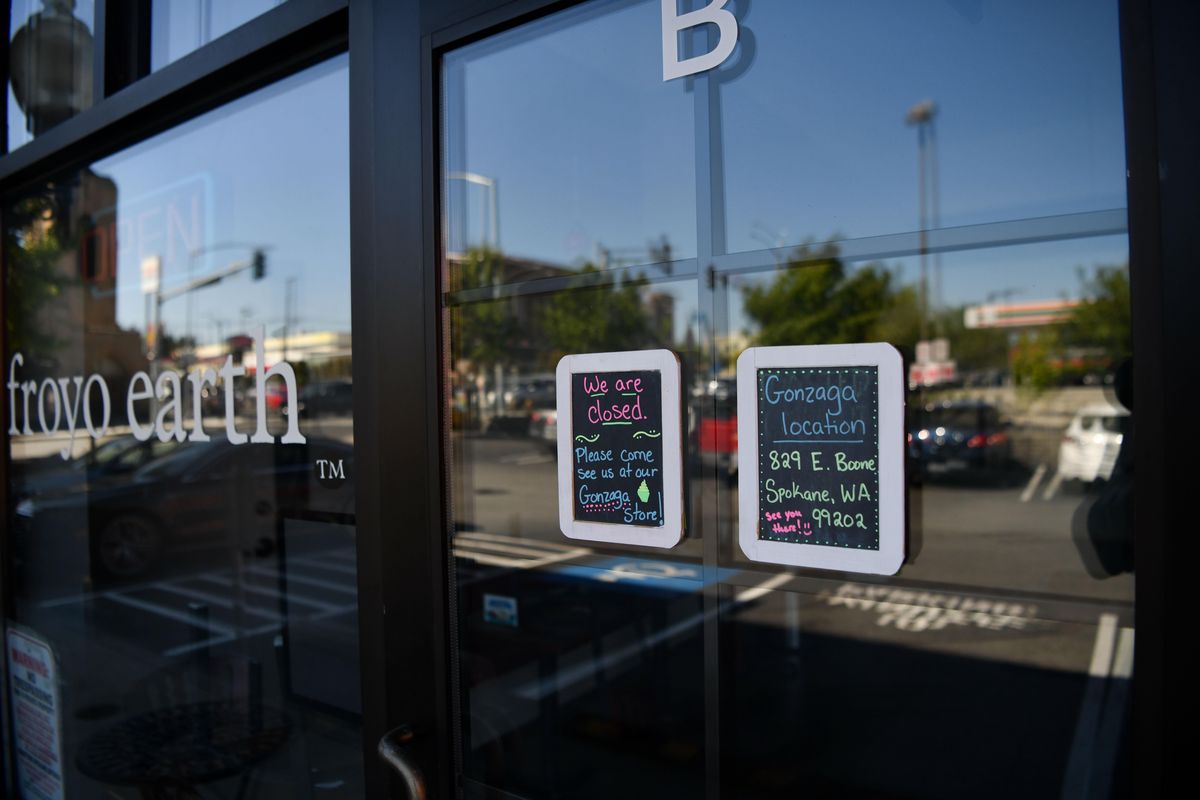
(315, 348)
(660, 307)
(1019, 315)
(84, 279)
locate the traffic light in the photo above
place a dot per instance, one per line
(260, 264)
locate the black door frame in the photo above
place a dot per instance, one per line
(406, 631)
(1159, 112)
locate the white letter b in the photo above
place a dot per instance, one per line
(673, 23)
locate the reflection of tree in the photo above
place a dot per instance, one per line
(1097, 335)
(816, 300)
(1104, 319)
(32, 249)
(972, 348)
(606, 316)
(485, 330)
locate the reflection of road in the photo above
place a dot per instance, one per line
(968, 534)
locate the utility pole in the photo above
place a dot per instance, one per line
(922, 115)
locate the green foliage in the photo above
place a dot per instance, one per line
(972, 348)
(606, 316)
(816, 300)
(486, 330)
(32, 247)
(1035, 364)
(1096, 337)
(1104, 320)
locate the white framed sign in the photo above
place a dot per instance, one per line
(36, 711)
(821, 456)
(620, 448)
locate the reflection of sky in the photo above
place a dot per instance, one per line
(1029, 123)
(179, 28)
(269, 170)
(589, 145)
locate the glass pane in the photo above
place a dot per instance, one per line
(865, 118)
(880, 691)
(573, 658)
(982, 234)
(586, 165)
(1016, 599)
(178, 328)
(50, 65)
(177, 27)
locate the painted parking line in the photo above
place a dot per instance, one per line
(1034, 480)
(1102, 713)
(169, 613)
(215, 600)
(291, 578)
(268, 591)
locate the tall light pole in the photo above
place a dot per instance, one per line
(922, 115)
(491, 211)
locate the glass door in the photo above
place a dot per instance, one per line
(944, 180)
(182, 531)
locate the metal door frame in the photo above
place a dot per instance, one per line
(406, 617)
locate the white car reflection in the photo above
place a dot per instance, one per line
(1091, 442)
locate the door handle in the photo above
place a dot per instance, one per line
(394, 749)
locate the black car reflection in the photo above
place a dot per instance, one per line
(332, 397)
(199, 496)
(956, 437)
(115, 457)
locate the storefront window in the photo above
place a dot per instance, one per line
(177, 27)
(182, 528)
(948, 180)
(614, 151)
(995, 113)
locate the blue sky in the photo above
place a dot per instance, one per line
(589, 146)
(269, 170)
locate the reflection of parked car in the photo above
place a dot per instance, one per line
(955, 436)
(114, 457)
(327, 397)
(199, 493)
(713, 427)
(533, 393)
(543, 427)
(1091, 442)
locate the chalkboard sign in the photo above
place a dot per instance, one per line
(821, 476)
(619, 447)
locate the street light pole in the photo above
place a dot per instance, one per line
(921, 115)
(492, 231)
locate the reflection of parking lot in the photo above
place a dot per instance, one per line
(963, 531)
(585, 630)
(193, 611)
